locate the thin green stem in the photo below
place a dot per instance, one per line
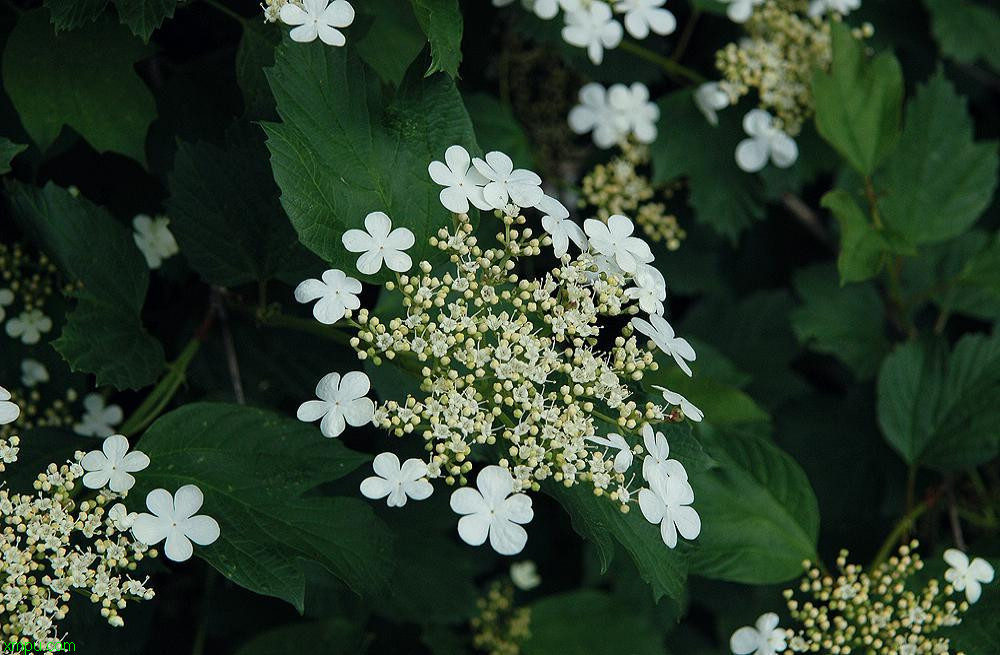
(164, 391)
(670, 67)
(902, 528)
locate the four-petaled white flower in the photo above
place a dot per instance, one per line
(29, 326)
(595, 114)
(843, 7)
(98, 420)
(764, 639)
(667, 502)
(641, 16)
(657, 458)
(632, 103)
(336, 293)
(397, 482)
(674, 398)
(154, 239)
(614, 239)
(593, 28)
(650, 289)
(6, 299)
(662, 334)
(113, 465)
(463, 183)
(506, 184)
(33, 373)
(173, 518)
(766, 141)
(524, 575)
(493, 511)
(739, 11)
(121, 518)
(314, 18)
(967, 576)
(380, 244)
(711, 98)
(623, 459)
(562, 229)
(341, 402)
(9, 411)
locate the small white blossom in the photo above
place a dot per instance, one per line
(9, 411)
(673, 398)
(632, 103)
(641, 16)
(658, 456)
(623, 459)
(739, 11)
(614, 240)
(98, 420)
(29, 326)
(546, 9)
(967, 576)
(380, 244)
(766, 141)
(173, 518)
(562, 229)
(650, 289)
(592, 27)
(595, 114)
(316, 18)
(113, 465)
(33, 373)
(711, 98)
(463, 183)
(843, 7)
(397, 482)
(662, 334)
(493, 511)
(524, 575)
(336, 293)
(764, 639)
(6, 300)
(667, 503)
(154, 239)
(121, 518)
(507, 184)
(341, 402)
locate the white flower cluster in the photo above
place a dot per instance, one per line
(614, 114)
(591, 24)
(515, 368)
(312, 18)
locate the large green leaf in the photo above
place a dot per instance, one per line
(966, 31)
(939, 409)
(253, 467)
(144, 16)
(70, 14)
(441, 21)
(342, 151)
(938, 181)
(392, 21)
(104, 334)
(862, 246)
(253, 55)
(858, 102)
(66, 80)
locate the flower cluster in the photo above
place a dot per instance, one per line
(501, 626)
(27, 283)
(512, 367)
(615, 114)
(311, 19)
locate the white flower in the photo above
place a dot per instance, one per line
(658, 456)
(710, 98)
(623, 459)
(121, 518)
(766, 639)
(739, 11)
(505, 184)
(967, 576)
(113, 465)
(633, 104)
(686, 405)
(662, 334)
(6, 299)
(173, 518)
(595, 114)
(397, 482)
(29, 326)
(641, 16)
(650, 289)
(9, 411)
(494, 511)
(380, 244)
(843, 7)
(98, 420)
(463, 183)
(556, 221)
(33, 372)
(592, 28)
(524, 575)
(340, 402)
(336, 293)
(154, 239)
(667, 503)
(546, 9)
(614, 239)
(314, 18)
(765, 141)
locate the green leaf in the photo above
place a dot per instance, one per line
(689, 146)
(845, 322)
(862, 247)
(253, 55)
(441, 21)
(966, 31)
(104, 334)
(339, 636)
(8, 151)
(938, 409)
(760, 518)
(497, 127)
(938, 181)
(144, 16)
(66, 80)
(215, 194)
(71, 14)
(253, 467)
(983, 269)
(858, 103)
(956, 275)
(338, 155)
(392, 22)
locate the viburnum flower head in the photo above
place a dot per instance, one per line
(9, 411)
(317, 18)
(739, 11)
(463, 183)
(658, 456)
(336, 293)
(556, 221)
(677, 400)
(173, 518)
(395, 482)
(765, 638)
(662, 334)
(614, 240)
(493, 510)
(592, 27)
(154, 239)
(667, 503)
(766, 141)
(710, 98)
(29, 326)
(113, 465)
(967, 576)
(505, 184)
(595, 114)
(99, 419)
(632, 103)
(623, 459)
(342, 401)
(642, 16)
(380, 244)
